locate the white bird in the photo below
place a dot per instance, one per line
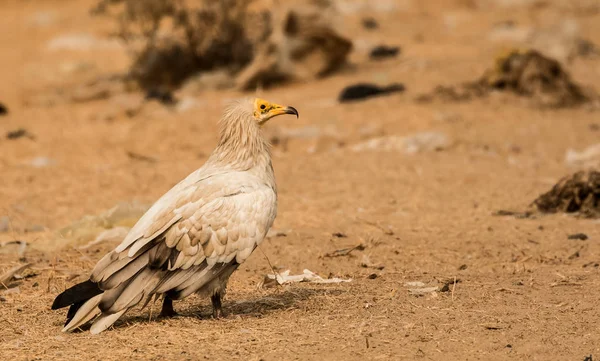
(196, 235)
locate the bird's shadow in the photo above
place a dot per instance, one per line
(257, 307)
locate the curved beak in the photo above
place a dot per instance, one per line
(280, 110)
(291, 110)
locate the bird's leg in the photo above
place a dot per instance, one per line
(167, 308)
(216, 303)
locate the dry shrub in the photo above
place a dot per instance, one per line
(578, 193)
(526, 73)
(173, 39)
(170, 40)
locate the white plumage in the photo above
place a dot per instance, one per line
(194, 237)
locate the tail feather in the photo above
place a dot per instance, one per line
(77, 294)
(105, 321)
(86, 312)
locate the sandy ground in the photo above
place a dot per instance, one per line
(517, 288)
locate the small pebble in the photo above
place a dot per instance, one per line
(370, 23)
(384, 51)
(19, 133)
(579, 236)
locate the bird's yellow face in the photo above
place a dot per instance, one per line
(263, 110)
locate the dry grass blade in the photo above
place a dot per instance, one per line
(344, 251)
(7, 276)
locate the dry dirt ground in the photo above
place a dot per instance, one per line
(523, 289)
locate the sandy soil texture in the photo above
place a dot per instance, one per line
(358, 173)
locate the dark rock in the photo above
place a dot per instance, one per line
(370, 23)
(363, 91)
(579, 236)
(3, 109)
(383, 51)
(19, 133)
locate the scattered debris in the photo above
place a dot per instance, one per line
(366, 263)
(3, 109)
(416, 143)
(363, 91)
(579, 193)
(141, 157)
(384, 51)
(589, 157)
(370, 23)
(345, 251)
(525, 73)
(449, 284)
(271, 280)
(7, 276)
(578, 236)
(19, 133)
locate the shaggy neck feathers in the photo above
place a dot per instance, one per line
(241, 143)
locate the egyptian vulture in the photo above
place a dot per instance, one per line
(194, 237)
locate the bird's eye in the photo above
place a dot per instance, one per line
(262, 106)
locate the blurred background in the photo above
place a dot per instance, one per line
(437, 140)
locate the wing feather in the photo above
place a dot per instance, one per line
(194, 236)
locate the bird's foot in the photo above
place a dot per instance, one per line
(217, 309)
(218, 314)
(167, 309)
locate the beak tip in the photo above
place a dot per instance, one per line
(292, 110)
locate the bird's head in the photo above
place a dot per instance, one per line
(263, 110)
